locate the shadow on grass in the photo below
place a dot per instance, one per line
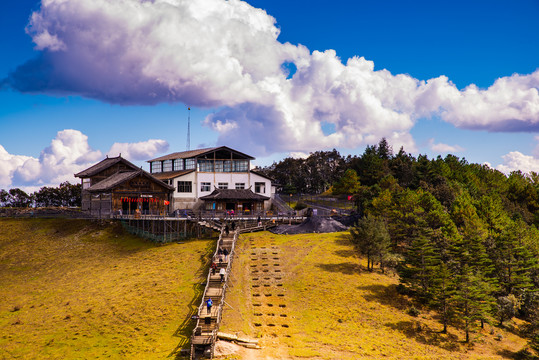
(385, 295)
(346, 253)
(185, 330)
(412, 330)
(508, 354)
(347, 268)
(344, 240)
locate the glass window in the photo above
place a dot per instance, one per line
(185, 186)
(241, 165)
(178, 164)
(219, 166)
(205, 165)
(205, 186)
(167, 165)
(227, 166)
(156, 167)
(240, 186)
(190, 164)
(223, 185)
(260, 187)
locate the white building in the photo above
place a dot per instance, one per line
(218, 178)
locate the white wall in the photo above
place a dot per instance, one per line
(215, 178)
(257, 178)
(188, 200)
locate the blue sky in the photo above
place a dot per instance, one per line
(127, 86)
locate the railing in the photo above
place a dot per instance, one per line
(223, 292)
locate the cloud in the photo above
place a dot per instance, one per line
(298, 155)
(205, 52)
(226, 54)
(68, 153)
(143, 150)
(510, 104)
(444, 148)
(515, 161)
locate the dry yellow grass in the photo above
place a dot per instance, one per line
(333, 308)
(74, 289)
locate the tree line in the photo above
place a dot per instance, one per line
(66, 194)
(462, 237)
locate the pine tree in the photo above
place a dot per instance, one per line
(443, 291)
(475, 282)
(419, 265)
(372, 240)
(472, 298)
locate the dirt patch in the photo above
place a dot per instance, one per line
(224, 348)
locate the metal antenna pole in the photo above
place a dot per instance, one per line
(189, 129)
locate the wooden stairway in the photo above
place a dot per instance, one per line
(205, 333)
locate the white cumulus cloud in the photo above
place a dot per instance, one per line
(444, 148)
(515, 161)
(143, 150)
(68, 153)
(227, 54)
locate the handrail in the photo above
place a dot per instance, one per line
(220, 307)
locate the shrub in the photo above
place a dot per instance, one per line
(413, 311)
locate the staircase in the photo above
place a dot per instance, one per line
(205, 333)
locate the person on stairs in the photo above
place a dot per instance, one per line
(222, 272)
(209, 304)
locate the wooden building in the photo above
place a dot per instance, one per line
(116, 186)
(218, 178)
(240, 201)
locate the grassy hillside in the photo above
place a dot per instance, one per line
(74, 289)
(309, 296)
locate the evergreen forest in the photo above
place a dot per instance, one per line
(463, 238)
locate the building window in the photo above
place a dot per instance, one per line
(167, 165)
(205, 165)
(241, 165)
(219, 166)
(227, 167)
(185, 186)
(223, 186)
(156, 167)
(205, 186)
(190, 164)
(85, 183)
(260, 187)
(178, 164)
(240, 186)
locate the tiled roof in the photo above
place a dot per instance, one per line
(104, 164)
(171, 174)
(121, 177)
(233, 194)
